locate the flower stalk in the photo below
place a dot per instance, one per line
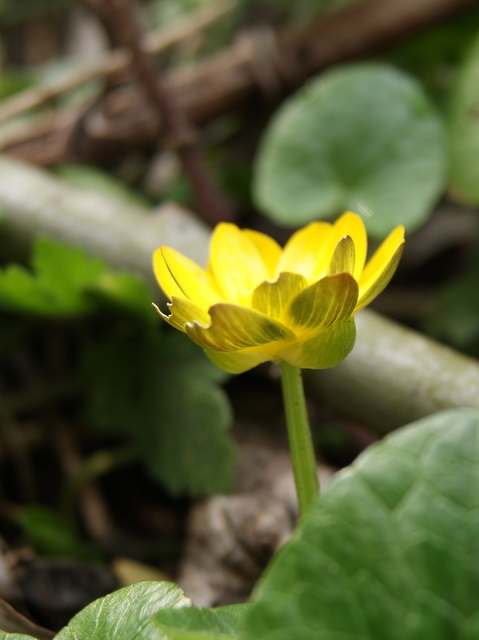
(299, 434)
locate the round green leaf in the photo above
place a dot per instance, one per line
(363, 138)
(391, 549)
(464, 130)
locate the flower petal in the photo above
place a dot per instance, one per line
(182, 312)
(235, 262)
(234, 328)
(272, 298)
(325, 302)
(344, 257)
(300, 253)
(179, 276)
(268, 248)
(381, 267)
(236, 361)
(325, 349)
(349, 224)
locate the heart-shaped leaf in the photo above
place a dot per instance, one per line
(363, 138)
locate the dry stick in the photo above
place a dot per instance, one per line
(230, 78)
(112, 62)
(212, 204)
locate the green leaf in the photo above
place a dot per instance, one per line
(52, 535)
(223, 623)
(464, 130)
(163, 394)
(391, 549)
(125, 614)
(57, 283)
(363, 138)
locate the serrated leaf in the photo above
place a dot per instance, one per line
(363, 138)
(464, 130)
(391, 549)
(125, 614)
(57, 283)
(164, 396)
(190, 623)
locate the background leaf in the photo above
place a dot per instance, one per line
(464, 130)
(161, 391)
(125, 614)
(57, 283)
(391, 550)
(363, 138)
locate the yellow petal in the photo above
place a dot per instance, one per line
(273, 298)
(325, 302)
(268, 249)
(300, 254)
(234, 328)
(182, 312)
(325, 349)
(236, 361)
(235, 262)
(381, 267)
(344, 257)
(179, 276)
(349, 224)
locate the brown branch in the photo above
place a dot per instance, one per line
(111, 63)
(212, 204)
(231, 78)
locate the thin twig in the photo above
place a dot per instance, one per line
(211, 203)
(112, 62)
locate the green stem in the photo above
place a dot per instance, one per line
(300, 440)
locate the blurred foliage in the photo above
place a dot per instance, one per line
(363, 138)
(139, 380)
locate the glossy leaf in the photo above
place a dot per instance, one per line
(391, 549)
(363, 138)
(125, 614)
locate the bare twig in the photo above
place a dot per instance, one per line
(212, 204)
(113, 62)
(229, 79)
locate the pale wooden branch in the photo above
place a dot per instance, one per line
(34, 203)
(251, 67)
(111, 63)
(393, 376)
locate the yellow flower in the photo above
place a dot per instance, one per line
(257, 302)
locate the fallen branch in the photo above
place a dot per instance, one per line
(393, 376)
(34, 203)
(258, 63)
